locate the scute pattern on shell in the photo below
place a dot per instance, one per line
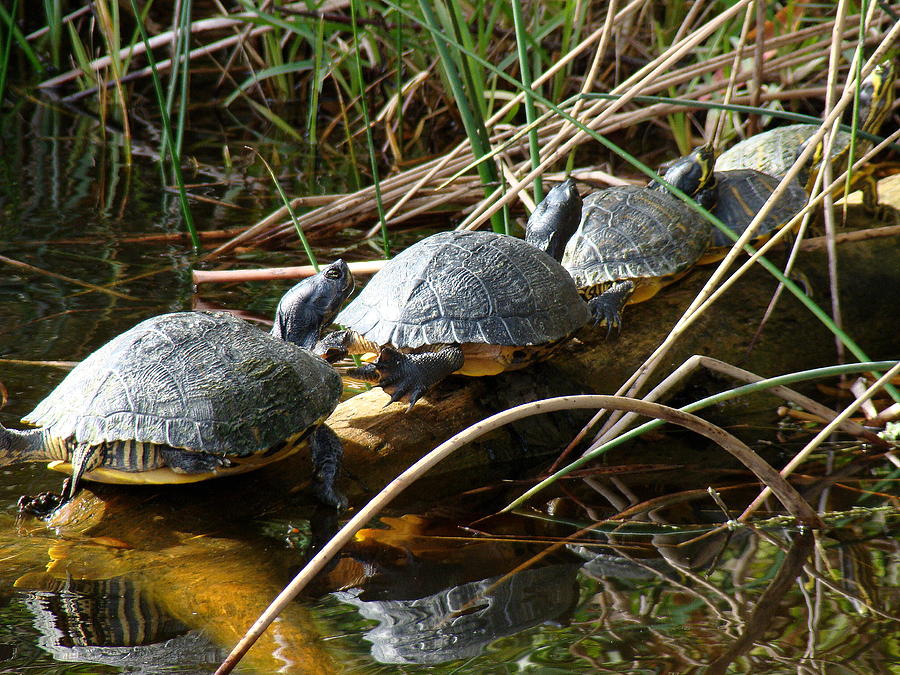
(631, 232)
(743, 192)
(461, 286)
(774, 151)
(203, 381)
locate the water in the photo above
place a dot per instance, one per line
(167, 579)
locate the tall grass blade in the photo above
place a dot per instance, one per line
(316, 82)
(319, 70)
(180, 74)
(80, 54)
(8, 19)
(477, 135)
(167, 135)
(398, 84)
(7, 48)
(287, 204)
(851, 151)
(256, 78)
(370, 142)
(530, 114)
(53, 15)
(108, 21)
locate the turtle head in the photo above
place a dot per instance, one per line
(876, 96)
(555, 219)
(692, 173)
(312, 305)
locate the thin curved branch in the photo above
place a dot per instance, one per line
(792, 501)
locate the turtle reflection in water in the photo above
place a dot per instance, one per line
(189, 396)
(460, 621)
(113, 622)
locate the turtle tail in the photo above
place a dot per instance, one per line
(22, 446)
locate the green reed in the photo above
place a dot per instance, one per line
(168, 142)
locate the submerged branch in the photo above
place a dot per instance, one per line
(63, 277)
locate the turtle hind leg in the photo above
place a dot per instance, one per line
(326, 451)
(607, 307)
(185, 461)
(408, 376)
(84, 458)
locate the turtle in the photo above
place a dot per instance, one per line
(740, 194)
(773, 152)
(187, 396)
(631, 240)
(468, 302)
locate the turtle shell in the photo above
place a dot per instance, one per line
(630, 232)
(467, 287)
(773, 152)
(743, 192)
(200, 381)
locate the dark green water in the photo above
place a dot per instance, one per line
(166, 579)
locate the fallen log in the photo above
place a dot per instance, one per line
(269, 273)
(199, 277)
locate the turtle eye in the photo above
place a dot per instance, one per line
(332, 273)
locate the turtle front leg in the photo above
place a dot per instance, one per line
(45, 503)
(408, 376)
(342, 343)
(607, 307)
(327, 451)
(84, 458)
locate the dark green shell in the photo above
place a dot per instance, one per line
(194, 380)
(467, 287)
(742, 193)
(632, 232)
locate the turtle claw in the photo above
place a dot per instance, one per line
(613, 320)
(398, 395)
(606, 313)
(406, 377)
(607, 307)
(45, 503)
(41, 505)
(615, 325)
(400, 376)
